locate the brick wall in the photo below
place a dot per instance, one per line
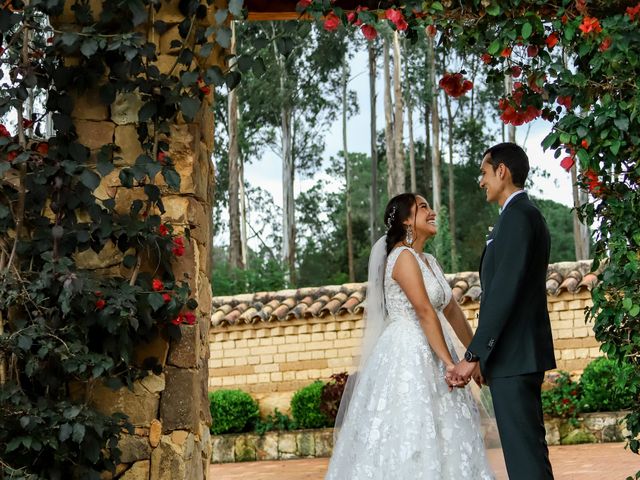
(273, 360)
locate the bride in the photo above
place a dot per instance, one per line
(400, 416)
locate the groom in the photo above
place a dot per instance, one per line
(513, 343)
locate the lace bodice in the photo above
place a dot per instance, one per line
(438, 290)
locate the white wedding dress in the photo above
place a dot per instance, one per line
(403, 423)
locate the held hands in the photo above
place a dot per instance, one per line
(459, 375)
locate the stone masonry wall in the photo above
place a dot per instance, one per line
(272, 360)
(171, 410)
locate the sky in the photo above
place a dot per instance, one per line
(267, 172)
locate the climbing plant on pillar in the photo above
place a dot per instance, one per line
(575, 64)
(87, 256)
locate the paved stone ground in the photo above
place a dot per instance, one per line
(597, 461)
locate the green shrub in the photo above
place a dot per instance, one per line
(276, 421)
(232, 411)
(608, 386)
(305, 407)
(563, 400)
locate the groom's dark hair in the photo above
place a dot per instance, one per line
(513, 157)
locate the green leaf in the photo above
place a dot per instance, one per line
(138, 10)
(148, 110)
(156, 301)
(89, 47)
(189, 78)
(221, 16)
(232, 79)
(78, 432)
(622, 122)
(494, 10)
(615, 146)
(245, 63)
(171, 177)
(235, 7)
(129, 261)
(259, 67)
(549, 140)
(527, 30)
(635, 310)
(90, 179)
(582, 131)
(627, 303)
(494, 47)
(223, 37)
(437, 6)
(13, 444)
(71, 412)
(214, 76)
(25, 342)
(104, 167)
(189, 107)
(65, 432)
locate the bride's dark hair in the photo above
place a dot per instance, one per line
(397, 211)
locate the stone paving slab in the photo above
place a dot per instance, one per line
(594, 461)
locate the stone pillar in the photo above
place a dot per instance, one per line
(170, 410)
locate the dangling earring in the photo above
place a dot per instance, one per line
(409, 235)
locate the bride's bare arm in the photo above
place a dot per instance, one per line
(407, 273)
(458, 322)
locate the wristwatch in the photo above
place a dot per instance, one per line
(470, 356)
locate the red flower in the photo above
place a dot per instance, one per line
(454, 84)
(432, 30)
(100, 304)
(552, 40)
(178, 247)
(606, 43)
(595, 187)
(11, 156)
(564, 19)
(397, 18)
(513, 112)
(486, 58)
(26, 123)
(564, 101)
(157, 285)
(581, 6)
(585, 143)
(633, 12)
(351, 16)
(50, 40)
(506, 52)
(178, 320)
(304, 4)
(567, 163)
(332, 22)
(369, 32)
(3, 131)
(516, 71)
(1, 50)
(43, 148)
(97, 293)
(161, 157)
(206, 89)
(166, 297)
(533, 80)
(189, 318)
(590, 24)
(163, 230)
(565, 401)
(532, 51)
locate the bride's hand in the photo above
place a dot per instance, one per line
(453, 379)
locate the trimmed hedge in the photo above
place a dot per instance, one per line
(232, 411)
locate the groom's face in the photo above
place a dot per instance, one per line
(489, 179)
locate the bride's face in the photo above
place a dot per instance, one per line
(423, 218)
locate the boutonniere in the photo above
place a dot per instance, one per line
(490, 229)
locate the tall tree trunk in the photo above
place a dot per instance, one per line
(388, 122)
(580, 231)
(435, 128)
(412, 146)
(235, 240)
(508, 88)
(373, 204)
(428, 180)
(347, 170)
(398, 117)
(452, 197)
(288, 176)
(243, 215)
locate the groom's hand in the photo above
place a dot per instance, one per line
(463, 370)
(477, 376)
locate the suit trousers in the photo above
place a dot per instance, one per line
(518, 406)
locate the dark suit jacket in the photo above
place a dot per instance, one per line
(514, 331)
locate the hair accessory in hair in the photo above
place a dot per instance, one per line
(391, 217)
